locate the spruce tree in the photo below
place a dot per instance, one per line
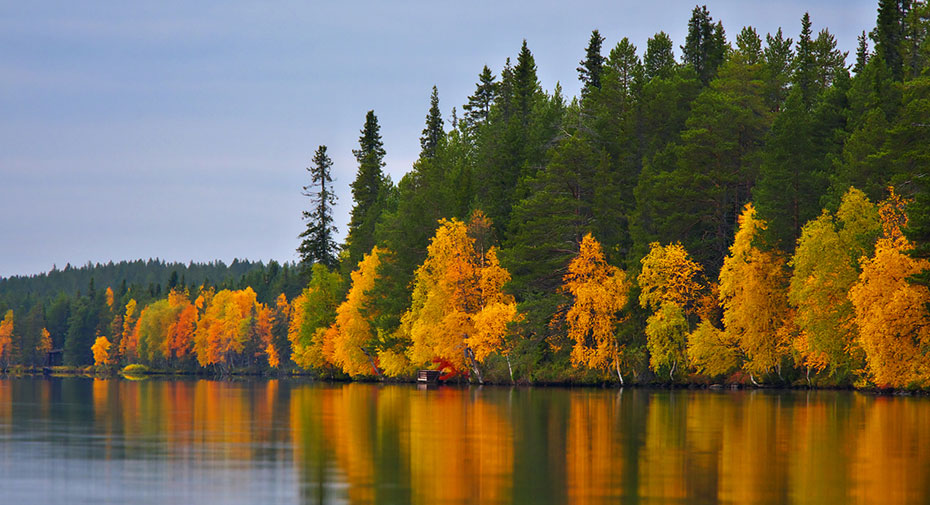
(862, 54)
(889, 34)
(589, 71)
(479, 104)
(368, 191)
(317, 244)
(433, 132)
(778, 58)
(705, 45)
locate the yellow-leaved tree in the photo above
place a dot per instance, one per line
(599, 292)
(669, 285)
(710, 351)
(753, 294)
(459, 312)
(354, 341)
(101, 350)
(826, 265)
(891, 313)
(665, 338)
(668, 275)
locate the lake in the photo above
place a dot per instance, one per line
(81, 440)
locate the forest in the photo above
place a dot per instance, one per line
(748, 210)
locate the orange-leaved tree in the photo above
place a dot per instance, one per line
(753, 294)
(179, 340)
(891, 312)
(129, 341)
(224, 328)
(6, 338)
(458, 312)
(599, 291)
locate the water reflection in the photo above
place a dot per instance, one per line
(160, 441)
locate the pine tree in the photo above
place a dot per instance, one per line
(318, 244)
(659, 59)
(368, 191)
(433, 132)
(589, 73)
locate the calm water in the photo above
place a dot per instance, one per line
(176, 442)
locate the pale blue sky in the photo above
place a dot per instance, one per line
(181, 130)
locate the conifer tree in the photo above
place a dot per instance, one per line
(479, 104)
(368, 191)
(589, 73)
(433, 131)
(889, 34)
(659, 58)
(705, 45)
(318, 244)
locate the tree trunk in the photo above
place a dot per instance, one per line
(372, 361)
(509, 368)
(753, 379)
(619, 375)
(470, 355)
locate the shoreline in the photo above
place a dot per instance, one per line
(88, 372)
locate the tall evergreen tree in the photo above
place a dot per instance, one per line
(589, 71)
(659, 58)
(318, 244)
(777, 70)
(479, 104)
(705, 45)
(889, 34)
(368, 191)
(433, 131)
(862, 53)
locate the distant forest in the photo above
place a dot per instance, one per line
(748, 208)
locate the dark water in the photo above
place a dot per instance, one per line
(177, 442)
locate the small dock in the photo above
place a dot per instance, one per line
(428, 376)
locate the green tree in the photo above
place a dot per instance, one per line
(433, 131)
(369, 191)
(318, 244)
(659, 58)
(479, 104)
(589, 71)
(705, 45)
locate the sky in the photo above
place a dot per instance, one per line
(182, 130)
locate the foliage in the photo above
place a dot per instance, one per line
(598, 292)
(665, 338)
(101, 350)
(753, 295)
(668, 275)
(891, 313)
(459, 312)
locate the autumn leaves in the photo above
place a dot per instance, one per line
(839, 310)
(458, 314)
